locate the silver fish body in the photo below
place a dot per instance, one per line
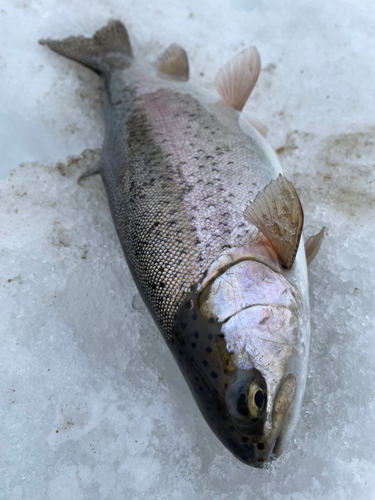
(179, 168)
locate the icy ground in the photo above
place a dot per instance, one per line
(92, 405)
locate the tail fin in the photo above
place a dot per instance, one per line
(108, 49)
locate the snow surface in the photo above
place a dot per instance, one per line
(92, 404)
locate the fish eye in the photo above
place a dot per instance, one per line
(246, 401)
(259, 398)
(256, 399)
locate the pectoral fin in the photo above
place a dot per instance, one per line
(312, 246)
(174, 63)
(277, 213)
(93, 171)
(236, 79)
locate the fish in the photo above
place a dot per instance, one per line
(212, 232)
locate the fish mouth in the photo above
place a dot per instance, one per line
(271, 446)
(281, 412)
(276, 448)
(272, 453)
(281, 415)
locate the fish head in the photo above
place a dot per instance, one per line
(262, 381)
(252, 372)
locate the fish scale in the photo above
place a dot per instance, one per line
(174, 217)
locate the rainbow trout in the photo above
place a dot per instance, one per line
(211, 231)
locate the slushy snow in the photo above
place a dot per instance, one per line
(92, 403)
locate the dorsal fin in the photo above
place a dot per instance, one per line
(312, 245)
(174, 63)
(277, 213)
(236, 79)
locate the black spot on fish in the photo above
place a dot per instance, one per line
(196, 335)
(260, 446)
(210, 336)
(214, 375)
(193, 345)
(205, 362)
(209, 349)
(244, 439)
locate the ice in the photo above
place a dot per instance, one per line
(92, 404)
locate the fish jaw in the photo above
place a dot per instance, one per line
(242, 339)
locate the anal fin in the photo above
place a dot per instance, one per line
(236, 79)
(312, 245)
(174, 64)
(254, 122)
(277, 213)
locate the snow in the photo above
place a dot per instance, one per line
(92, 404)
